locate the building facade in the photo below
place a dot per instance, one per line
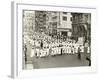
(52, 22)
(81, 25)
(65, 27)
(28, 22)
(40, 21)
(59, 23)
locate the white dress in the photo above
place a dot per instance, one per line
(32, 53)
(42, 53)
(69, 49)
(64, 49)
(52, 51)
(59, 50)
(38, 52)
(73, 50)
(88, 49)
(47, 51)
(82, 49)
(56, 50)
(76, 48)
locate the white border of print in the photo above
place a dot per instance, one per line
(16, 69)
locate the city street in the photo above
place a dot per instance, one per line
(60, 61)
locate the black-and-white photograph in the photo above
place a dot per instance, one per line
(53, 39)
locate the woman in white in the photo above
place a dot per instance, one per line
(55, 50)
(52, 51)
(44, 52)
(47, 51)
(73, 49)
(64, 49)
(44, 44)
(38, 52)
(69, 49)
(88, 49)
(41, 52)
(32, 52)
(58, 50)
(82, 48)
(52, 44)
(76, 47)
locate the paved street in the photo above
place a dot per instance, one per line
(60, 61)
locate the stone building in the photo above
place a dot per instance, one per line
(65, 27)
(81, 25)
(28, 22)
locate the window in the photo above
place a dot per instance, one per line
(64, 18)
(53, 13)
(54, 24)
(64, 12)
(55, 17)
(71, 19)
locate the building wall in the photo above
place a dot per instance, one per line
(28, 25)
(65, 23)
(65, 20)
(81, 25)
(40, 20)
(29, 22)
(28, 29)
(52, 21)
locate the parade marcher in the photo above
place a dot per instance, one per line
(41, 44)
(47, 50)
(76, 47)
(25, 50)
(55, 51)
(64, 49)
(33, 52)
(52, 51)
(82, 48)
(86, 51)
(73, 50)
(70, 50)
(79, 53)
(37, 52)
(61, 51)
(89, 60)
